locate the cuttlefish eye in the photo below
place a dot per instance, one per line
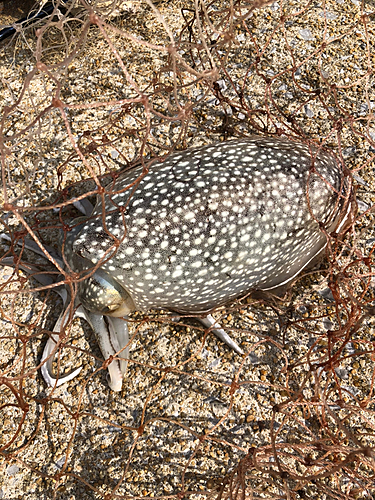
(101, 294)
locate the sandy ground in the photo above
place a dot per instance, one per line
(190, 408)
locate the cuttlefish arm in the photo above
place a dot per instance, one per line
(112, 335)
(52, 345)
(35, 248)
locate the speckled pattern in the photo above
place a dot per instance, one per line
(209, 224)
